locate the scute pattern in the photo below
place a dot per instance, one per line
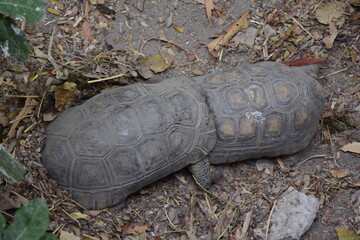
(269, 110)
(123, 139)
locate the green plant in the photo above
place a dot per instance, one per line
(12, 41)
(31, 220)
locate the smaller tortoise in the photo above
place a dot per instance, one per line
(123, 139)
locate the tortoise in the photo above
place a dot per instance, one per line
(126, 138)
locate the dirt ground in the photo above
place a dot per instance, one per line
(88, 42)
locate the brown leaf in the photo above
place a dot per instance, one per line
(68, 236)
(329, 41)
(128, 229)
(87, 9)
(215, 45)
(339, 173)
(352, 147)
(86, 31)
(331, 11)
(209, 6)
(4, 121)
(65, 94)
(156, 63)
(30, 103)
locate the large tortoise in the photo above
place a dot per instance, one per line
(123, 139)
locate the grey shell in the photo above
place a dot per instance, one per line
(123, 139)
(265, 109)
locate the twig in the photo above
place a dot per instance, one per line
(137, 214)
(50, 57)
(78, 223)
(210, 193)
(336, 72)
(41, 104)
(315, 156)
(175, 231)
(168, 218)
(227, 227)
(297, 22)
(163, 40)
(107, 78)
(22, 96)
(268, 223)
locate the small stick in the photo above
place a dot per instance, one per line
(297, 22)
(315, 156)
(22, 96)
(168, 218)
(333, 73)
(268, 223)
(107, 78)
(227, 227)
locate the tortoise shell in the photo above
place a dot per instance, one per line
(263, 110)
(123, 139)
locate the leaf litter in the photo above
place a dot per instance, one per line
(82, 55)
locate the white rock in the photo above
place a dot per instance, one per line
(293, 215)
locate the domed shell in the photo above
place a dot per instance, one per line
(262, 110)
(123, 139)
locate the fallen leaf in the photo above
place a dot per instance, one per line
(156, 63)
(352, 147)
(128, 229)
(64, 94)
(330, 11)
(94, 213)
(68, 236)
(41, 57)
(179, 29)
(99, 223)
(87, 9)
(329, 41)
(78, 215)
(210, 6)
(355, 2)
(30, 103)
(4, 121)
(339, 173)
(86, 31)
(345, 234)
(54, 11)
(215, 45)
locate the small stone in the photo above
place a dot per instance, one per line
(248, 38)
(293, 215)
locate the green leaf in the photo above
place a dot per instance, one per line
(30, 221)
(2, 224)
(31, 11)
(12, 42)
(10, 170)
(48, 236)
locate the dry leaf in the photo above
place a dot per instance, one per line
(41, 57)
(30, 103)
(345, 234)
(68, 236)
(339, 173)
(331, 11)
(87, 9)
(138, 228)
(54, 11)
(209, 6)
(64, 94)
(329, 41)
(86, 31)
(352, 147)
(179, 29)
(4, 121)
(78, 215)
(156, 63)
(215, 45)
